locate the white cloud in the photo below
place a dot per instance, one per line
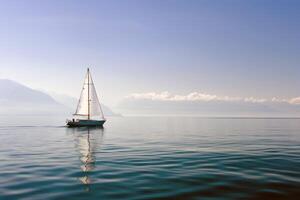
(254, 100)
(295, 101)
(278, 100)
(198, 96)
(167, 96)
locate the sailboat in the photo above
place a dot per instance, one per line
(89, 111)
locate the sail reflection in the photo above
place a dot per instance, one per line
(87, 142)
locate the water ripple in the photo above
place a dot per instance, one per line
(186, 158)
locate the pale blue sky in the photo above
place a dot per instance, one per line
(226, 47)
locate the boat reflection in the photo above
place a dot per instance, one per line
(87, 142)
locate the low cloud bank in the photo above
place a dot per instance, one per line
(203, 104)
(295, 101)
(197, 96)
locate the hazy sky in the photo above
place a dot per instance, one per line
(226, 47)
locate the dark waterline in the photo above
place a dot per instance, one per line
(152, 158)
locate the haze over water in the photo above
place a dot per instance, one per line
(152, 158)
(234, 63)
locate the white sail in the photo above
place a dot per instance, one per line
(88, 105)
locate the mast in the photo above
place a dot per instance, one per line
(88, 104)
(88, 72)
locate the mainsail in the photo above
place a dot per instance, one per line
(88, 105)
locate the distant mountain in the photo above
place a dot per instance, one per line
(13, 92)
(19, 99)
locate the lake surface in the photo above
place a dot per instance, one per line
(151, 158)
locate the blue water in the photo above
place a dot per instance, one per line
(152, 158)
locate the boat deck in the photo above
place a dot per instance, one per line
(82, 123)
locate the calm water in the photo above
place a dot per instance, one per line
(152, 158)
